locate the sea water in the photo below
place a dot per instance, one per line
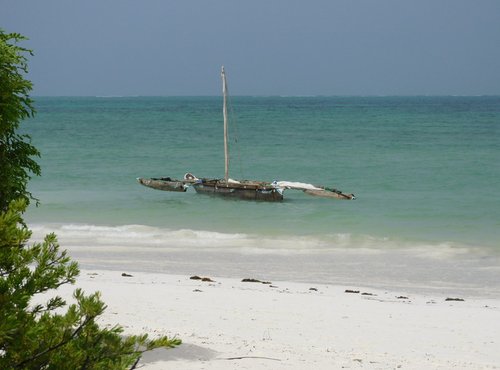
(425, 171)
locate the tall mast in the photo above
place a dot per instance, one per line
(224, 110)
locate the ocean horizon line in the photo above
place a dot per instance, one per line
(113, 96)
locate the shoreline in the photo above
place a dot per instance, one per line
(227, 323)
(421, 269)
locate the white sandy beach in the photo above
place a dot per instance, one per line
(230, 324)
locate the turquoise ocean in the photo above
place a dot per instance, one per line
(425, 171)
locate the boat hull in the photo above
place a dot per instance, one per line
(323, 193)
(163, 184)
(239, 191)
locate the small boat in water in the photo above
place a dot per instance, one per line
(164, 183)
(239, 189)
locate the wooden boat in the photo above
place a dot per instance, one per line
(245, 189)
(164, 183)
(238, 189)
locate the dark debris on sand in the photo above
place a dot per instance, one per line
(196, 277)
(255, 281)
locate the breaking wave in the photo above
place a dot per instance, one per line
(333, 258)
(141, 238)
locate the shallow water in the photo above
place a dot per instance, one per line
(425, 171)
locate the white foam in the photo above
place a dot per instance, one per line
(336, 258)
(139, 237)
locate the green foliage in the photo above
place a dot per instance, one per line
(36, 335)
(16, 150)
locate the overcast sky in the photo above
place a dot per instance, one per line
(269, 47)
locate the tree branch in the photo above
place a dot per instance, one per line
(135, 363)
(64, 342)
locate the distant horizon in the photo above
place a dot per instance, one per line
(263, 96)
